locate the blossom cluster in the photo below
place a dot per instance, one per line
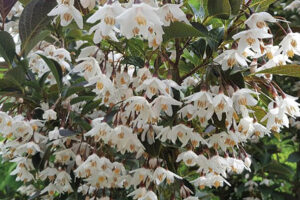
(204, 125)
(141, 18)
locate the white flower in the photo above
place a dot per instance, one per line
(67, 12)
(50, 115)
(160, 174)
(289, 105)
(140, 19)
(64, 156)
(222, 103)
(51, 189)
(90, 4)
(138, 193)
(247, 162)
(290, 45)
(171, 13)
(30, 148)
(250, 38)
(165, 103)
(49, 173)
(153, 86)
(107, 14)
(150, 195)
(260, 130)
(258, 20)
(89, 68)
(229, 58)
(141, 175)
(295, 5)
(189, 158)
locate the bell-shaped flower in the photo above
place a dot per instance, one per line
(258, 20)
(67, 12)
(90, 4)
(229, 58)
(165, 103)
(170, 13)
(290, 45)
(188, 157)
(138, 20)
(250, 38)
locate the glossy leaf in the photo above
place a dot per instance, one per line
(7, 47)
(261, 5)
(235, 6)
(294, 157)
(32, 23)
(288, 70)
(219, 8)
(55, 69)
(181, 30)
(6, 6)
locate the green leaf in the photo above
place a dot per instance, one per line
(133, 60)
(261, 5)
(32, 23)
(16, 73)
(55, 69)
(235, 6)
(7, 47)
(90, 106)
(288, 70)
(219, 8)
(181, 30)
(5, 7)
(279, 169)
(294, 157)
(81, 99)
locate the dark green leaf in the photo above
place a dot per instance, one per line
(219, 8)
(261, 5)
(7, 47)
(33, 21)
(288, 70)
(90, 106)
(235, 6)
(81, 98)
(5, 7)
(55, 69)
(294, 157)
(181, 30)
(133, 60)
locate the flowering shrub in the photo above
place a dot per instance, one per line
(141, 99)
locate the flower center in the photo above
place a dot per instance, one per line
(67, 17)
(250, 40)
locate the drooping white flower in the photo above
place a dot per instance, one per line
(30, 148)
(295, 5)
(229, 58)
(290, 45)
(90, 4)
(165, 103)
(50, 115)
(140, 19)
(67, 12)
(188, 157)
(258, 20)
(250, 38)
(169, 13)
(89, 68)
(222, 103)
(107, 14)
(150, 195)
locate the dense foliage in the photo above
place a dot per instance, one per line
(147, 99)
